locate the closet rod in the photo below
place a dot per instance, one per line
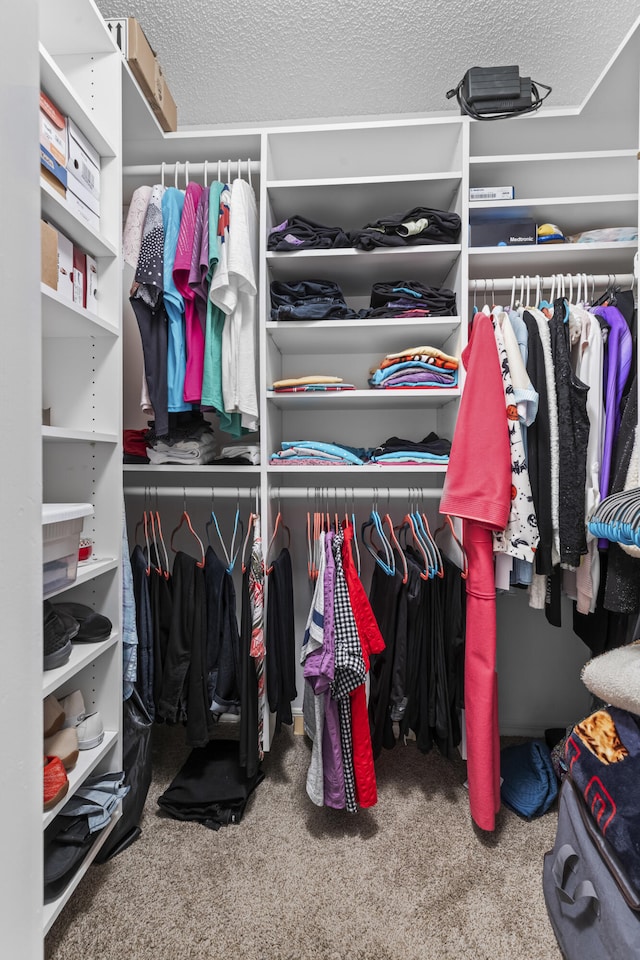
(311, 492)
(506, 283)
(195, 169)
(355, 493)
(220, 493)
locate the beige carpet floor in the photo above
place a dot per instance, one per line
(409, 879)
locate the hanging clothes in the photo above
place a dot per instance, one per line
(280, 640)
(257, 649)
(482, 497)
(194, 335)
(172, 207)
(148, 304)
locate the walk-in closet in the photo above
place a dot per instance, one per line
(295, 426)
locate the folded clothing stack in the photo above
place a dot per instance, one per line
(69, 837)
(191, 440)
(300, 233)
(396, 451)
(313, 383)
(421, 225)
(411, 298)
(317, 453)
(309, 300)
(240, 453)
(415, 368)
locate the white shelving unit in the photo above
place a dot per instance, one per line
(80, 69)
(576, 167)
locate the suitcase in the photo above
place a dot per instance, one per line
(593, 908)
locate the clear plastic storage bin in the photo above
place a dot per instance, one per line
(61, 529)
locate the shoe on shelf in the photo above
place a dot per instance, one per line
(94, 627)
(56, 783)
(53, 716)
(59, 631)
(88, 726)
(63, 744)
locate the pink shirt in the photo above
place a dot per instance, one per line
(181, 269)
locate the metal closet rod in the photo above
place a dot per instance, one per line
(220, 493)
(506, 283)
(289, 493)
(355, 493)
(195, 169)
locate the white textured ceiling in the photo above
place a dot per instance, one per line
(256, 61)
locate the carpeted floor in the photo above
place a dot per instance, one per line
(410, 879)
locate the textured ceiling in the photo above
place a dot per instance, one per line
(256, 61)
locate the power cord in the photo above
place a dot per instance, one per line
(468, 108)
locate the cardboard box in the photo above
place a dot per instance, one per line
(135, 47)
(83, 161)
(65, 267)
(82, 211)
(53, 130)
(79, 277)
(92, 285)
(502, 232)
(48, 255)
(163, 104)
(81, 191)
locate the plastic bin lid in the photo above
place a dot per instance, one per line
(59, 512)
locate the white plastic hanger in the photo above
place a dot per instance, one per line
(162, 167)
(206, 184)
(186, 173)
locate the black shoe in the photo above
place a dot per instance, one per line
(93, 627)
(59, 630)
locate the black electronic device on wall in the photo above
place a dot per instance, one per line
(496, 93)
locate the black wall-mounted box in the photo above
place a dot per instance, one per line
(502, 232)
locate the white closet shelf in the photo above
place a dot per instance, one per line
(169, 470)
(65, 434)
(538, 158)
(62, 318)
(87, 571)
(574, 214)
(54, 208)
(359, 336)
(81, 655)
(52, 910)
(86, 764)
(355, 270)
(57, 87)
(82, 29)
(352, 201)
(436, 469)
(563, 257)
(452, 176)
(364, 399)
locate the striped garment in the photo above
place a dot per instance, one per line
(256, 601)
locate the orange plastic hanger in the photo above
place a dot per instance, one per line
(185, 517)
(448, 522)
(279, 525)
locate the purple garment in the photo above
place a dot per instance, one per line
(420, 378)
(616, 372)
(199, 265)
(334, 794)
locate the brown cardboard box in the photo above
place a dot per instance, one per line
(48, 255)
(135, 47)
(163, 104)
(141, 57)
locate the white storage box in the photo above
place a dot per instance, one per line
(61, 529)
